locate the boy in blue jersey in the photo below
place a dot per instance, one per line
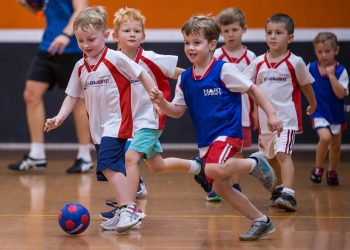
(58, 52)
(330, 87)
(211, 91)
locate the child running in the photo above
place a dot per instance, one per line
(210, 90)
(102, 77)
(280, 75)
(232, 22)
(330, 87)
(129, 34)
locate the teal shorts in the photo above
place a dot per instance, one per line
(146, 141)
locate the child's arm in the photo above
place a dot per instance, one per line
(310, 96)
(273, 122)
(66, 108)
(338, 89)
(148, 82)
(170, 109)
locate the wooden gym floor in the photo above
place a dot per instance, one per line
(178, 216)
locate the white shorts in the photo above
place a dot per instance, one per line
(270, 144)
(319, 122)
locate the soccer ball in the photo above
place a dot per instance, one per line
(35, 4)
(74, 218)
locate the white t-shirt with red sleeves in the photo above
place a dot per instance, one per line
(241, 63)
(160, 67)
(280, 82)
(106, 89)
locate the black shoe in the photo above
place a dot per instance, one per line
(28, 163)
(201, 178)
(287, 202)
(80, 166)
(275, 195)
(332, 178)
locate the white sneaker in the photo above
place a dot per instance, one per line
(111, 224)
(129, 217)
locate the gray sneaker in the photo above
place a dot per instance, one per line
(264, 172)
(258, 230)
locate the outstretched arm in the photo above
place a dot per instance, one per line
(66, 108)
(273, 122)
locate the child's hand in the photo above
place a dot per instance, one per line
(330, 70)
(275, 124)
(52, 123)
(310, 109)
(156, 96)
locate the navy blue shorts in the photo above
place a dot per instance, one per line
(110, 155)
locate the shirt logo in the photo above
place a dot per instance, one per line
(103, 80)
(275, 79)
(212, 92)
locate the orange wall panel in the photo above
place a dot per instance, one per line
(172, 14)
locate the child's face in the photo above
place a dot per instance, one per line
(130, 35)
(277, 36)
(91, 41)
(326, 53)
(197, 47)
(232, 34)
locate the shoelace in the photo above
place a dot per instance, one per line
(112, 203)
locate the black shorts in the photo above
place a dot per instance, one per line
(52, 69)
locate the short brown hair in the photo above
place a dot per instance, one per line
(206, 24)
(282, 18)
(322, 37)
(230, 16)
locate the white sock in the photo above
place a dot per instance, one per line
(288, 191)
(84, 152)
(195, 167)
(262, 218)
(37, 151)
(254, 163)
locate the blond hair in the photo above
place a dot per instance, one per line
(128, 14)
(231, 15)
(322, 37)
(206, 24)
(91, 18)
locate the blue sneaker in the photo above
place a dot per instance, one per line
(213, 197)
(109, 214)
(264, 172)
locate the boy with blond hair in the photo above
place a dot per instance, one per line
(102, 77)
(129, 34)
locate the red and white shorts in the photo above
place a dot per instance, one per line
(270, 144)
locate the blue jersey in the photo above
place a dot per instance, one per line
(214, 109)
(329, 106)
(58, 14)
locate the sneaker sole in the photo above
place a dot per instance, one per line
(253, 239)
(286, 207)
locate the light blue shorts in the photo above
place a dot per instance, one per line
(146, 141)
